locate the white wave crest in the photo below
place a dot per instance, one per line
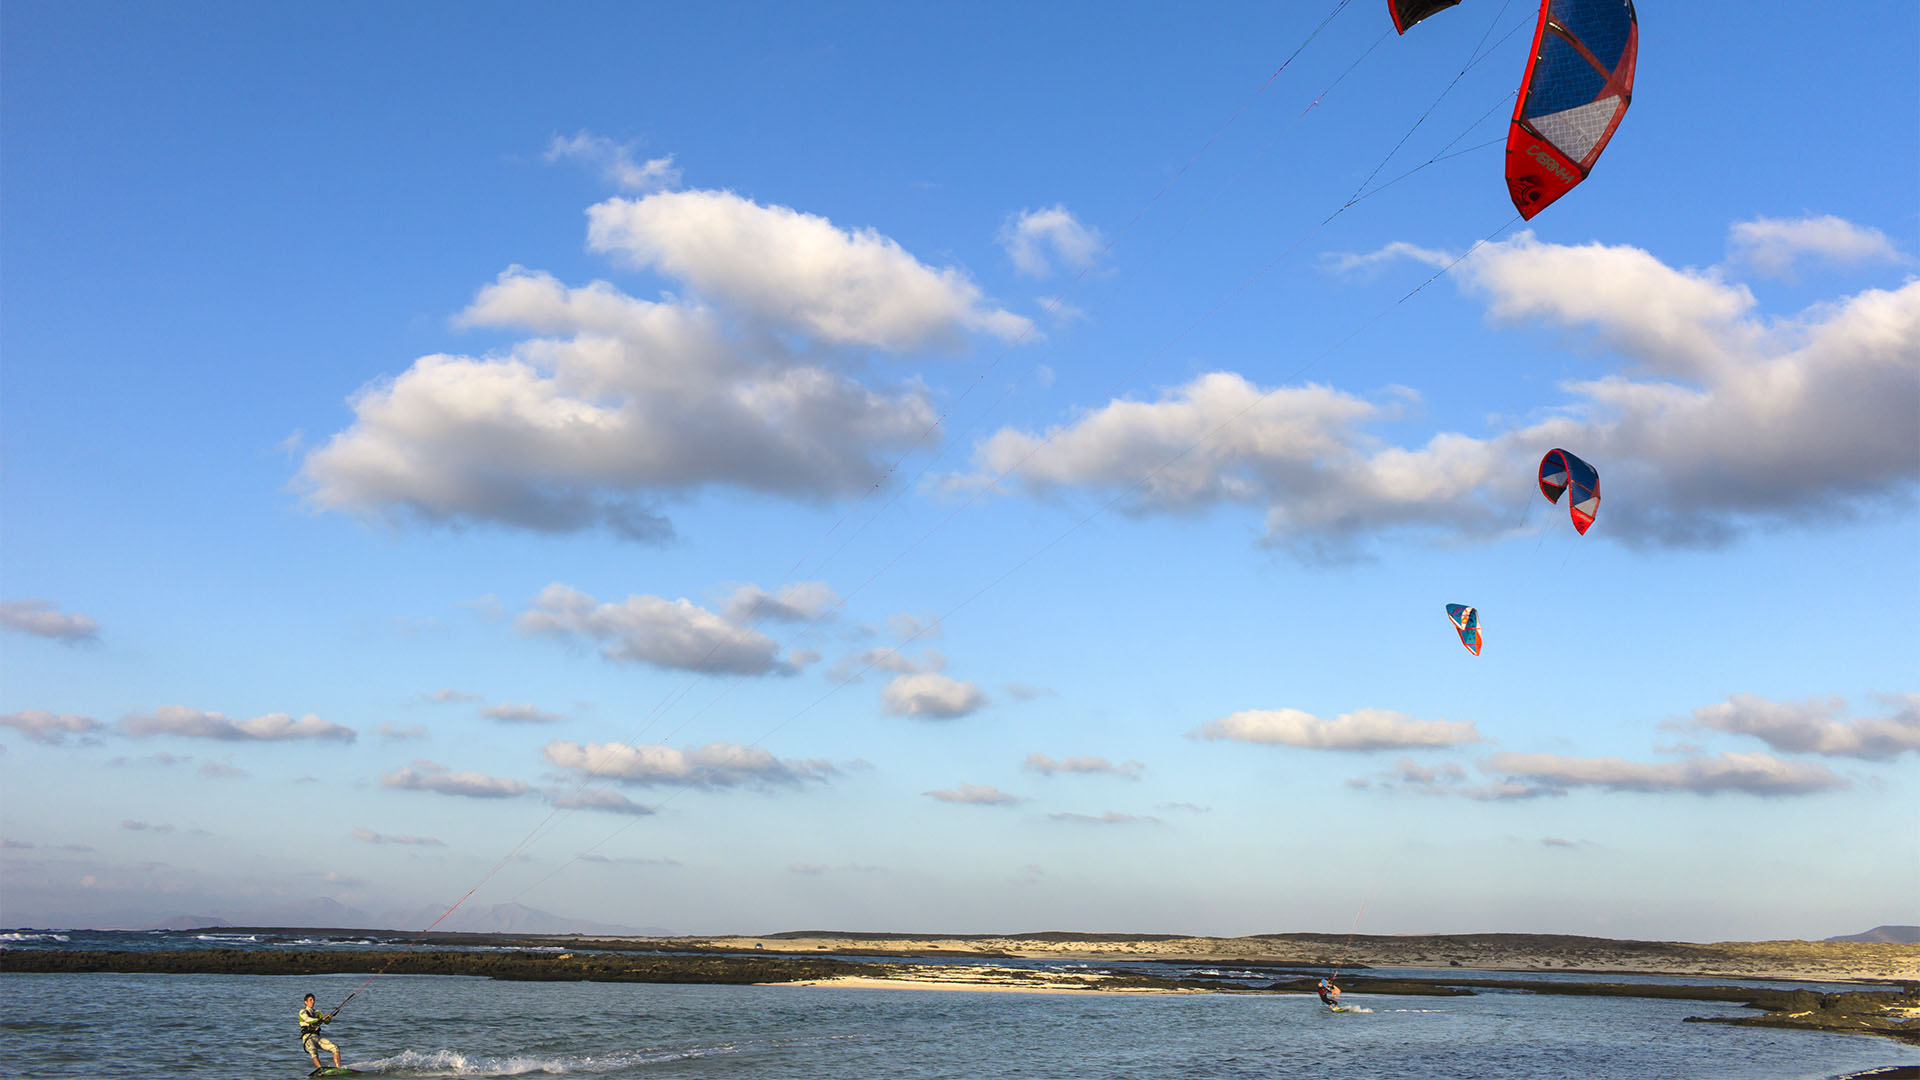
(452, 1063)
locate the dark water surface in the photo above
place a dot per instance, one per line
(112, 1025)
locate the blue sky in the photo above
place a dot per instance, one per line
(927, 469)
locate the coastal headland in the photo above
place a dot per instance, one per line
(1118, 963)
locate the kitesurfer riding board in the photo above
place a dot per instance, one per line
(311, 1019)
(1329, 995)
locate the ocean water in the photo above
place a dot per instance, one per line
(239, 1027)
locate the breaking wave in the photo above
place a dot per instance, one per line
(451, 1063)
(18, 936)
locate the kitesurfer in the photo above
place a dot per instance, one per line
(1329, 994)
(310, 1020)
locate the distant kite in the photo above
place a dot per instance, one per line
(1561, 471)
(1467, 621)
(1578, 84)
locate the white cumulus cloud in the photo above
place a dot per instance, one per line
(798, 271)
(1719, 417)
(620, 404)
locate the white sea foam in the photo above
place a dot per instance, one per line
(452, 1063)
(17, 936)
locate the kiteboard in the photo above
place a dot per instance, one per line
(329, 1070)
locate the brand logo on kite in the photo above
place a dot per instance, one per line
(1536, 153)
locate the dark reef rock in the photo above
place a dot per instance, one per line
(521, 966)
(1876, 1012)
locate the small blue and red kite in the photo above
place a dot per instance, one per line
(1467, 621)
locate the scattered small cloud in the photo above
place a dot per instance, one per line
(1773, 245)
(931, 695)
(609, 802)
(1362, 729)
(197, 724)
(974, 795)
(668, 634)
(1815, 727)
(906, 627)
(453, 697)
(800, 602)
(616, 162)
(1086, 764)
(884, 658)
(628, 860)
(813, 869)
(1020, 691)
(1184, 807)
(1037, 240)
(141, 826)
(1748, 774)
(371, 837)
(1111, 817)
(715, 765)
(424, 775)
(221, 770)
(1450, 779)
(486, 608)
(52, 729)
(511, 713)
(409, 626)
(41, 619)
(395, 733)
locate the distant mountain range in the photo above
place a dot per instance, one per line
(331, 914)
(1888, 935)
